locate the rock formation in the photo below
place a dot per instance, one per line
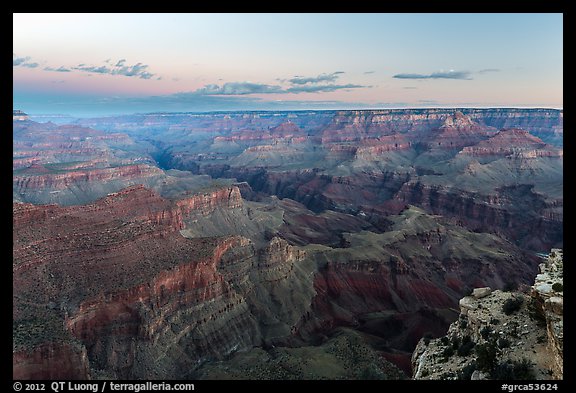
(117, 286)
(218, 245)
(19, 115)
(512, 142)
(502, 335)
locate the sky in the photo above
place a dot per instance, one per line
(104, 64)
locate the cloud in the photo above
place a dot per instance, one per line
(368, 72)
(59, 69)
(138, 70)
(486, 70)
(23, 62)
(462, 75)
(120, 67)
(301, 80)
(238, 88)
(321, 88)
(245, 88)
(97, 70)
(16, 61)
(410, 87)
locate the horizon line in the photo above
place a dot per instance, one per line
(290, 110)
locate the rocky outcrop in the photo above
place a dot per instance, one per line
(534, 224)
(205, 203)
(374, 149)
(513, 142)
(349, 126)
(501, 335)
(353, 126)
(548, 291)
(187, 306)
(343, 125)
(456, 132)
(51, 361)
(119, 281)
(18, 115)
(415, 268)
(55, 181)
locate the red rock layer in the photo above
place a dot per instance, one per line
(286, 132)
(458, 131)
(120, 269)
(349, 126)
(513, 142)
(373, 148)
(497, 213)
(52, 361)
(64, 180)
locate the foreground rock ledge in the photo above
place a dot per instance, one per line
(526, 342)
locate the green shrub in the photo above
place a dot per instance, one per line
(444, 340)
(455, 343)
(447, 352)
(558, 287)
(513, 370)
(512, 305)
(485, 332)
(466, 373)
(486, 356)
(466, 348)
(503, 342)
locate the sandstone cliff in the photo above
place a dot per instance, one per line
(107, 289)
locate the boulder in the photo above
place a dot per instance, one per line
(479, 293)
(556, 305)
(467, 303)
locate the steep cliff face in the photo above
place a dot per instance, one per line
(502, 335)
(120, 283)
(110, 270)
(185, 315)
(375, 149)
(457, 131)
(536, 223)
(419, 266)
(349, 126)
(513, 141)
(548, 292)
(69, 164)
(206, 203)
(547, 124)
(53, 181)
(51, 361)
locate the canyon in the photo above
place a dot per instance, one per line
(270, 245)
